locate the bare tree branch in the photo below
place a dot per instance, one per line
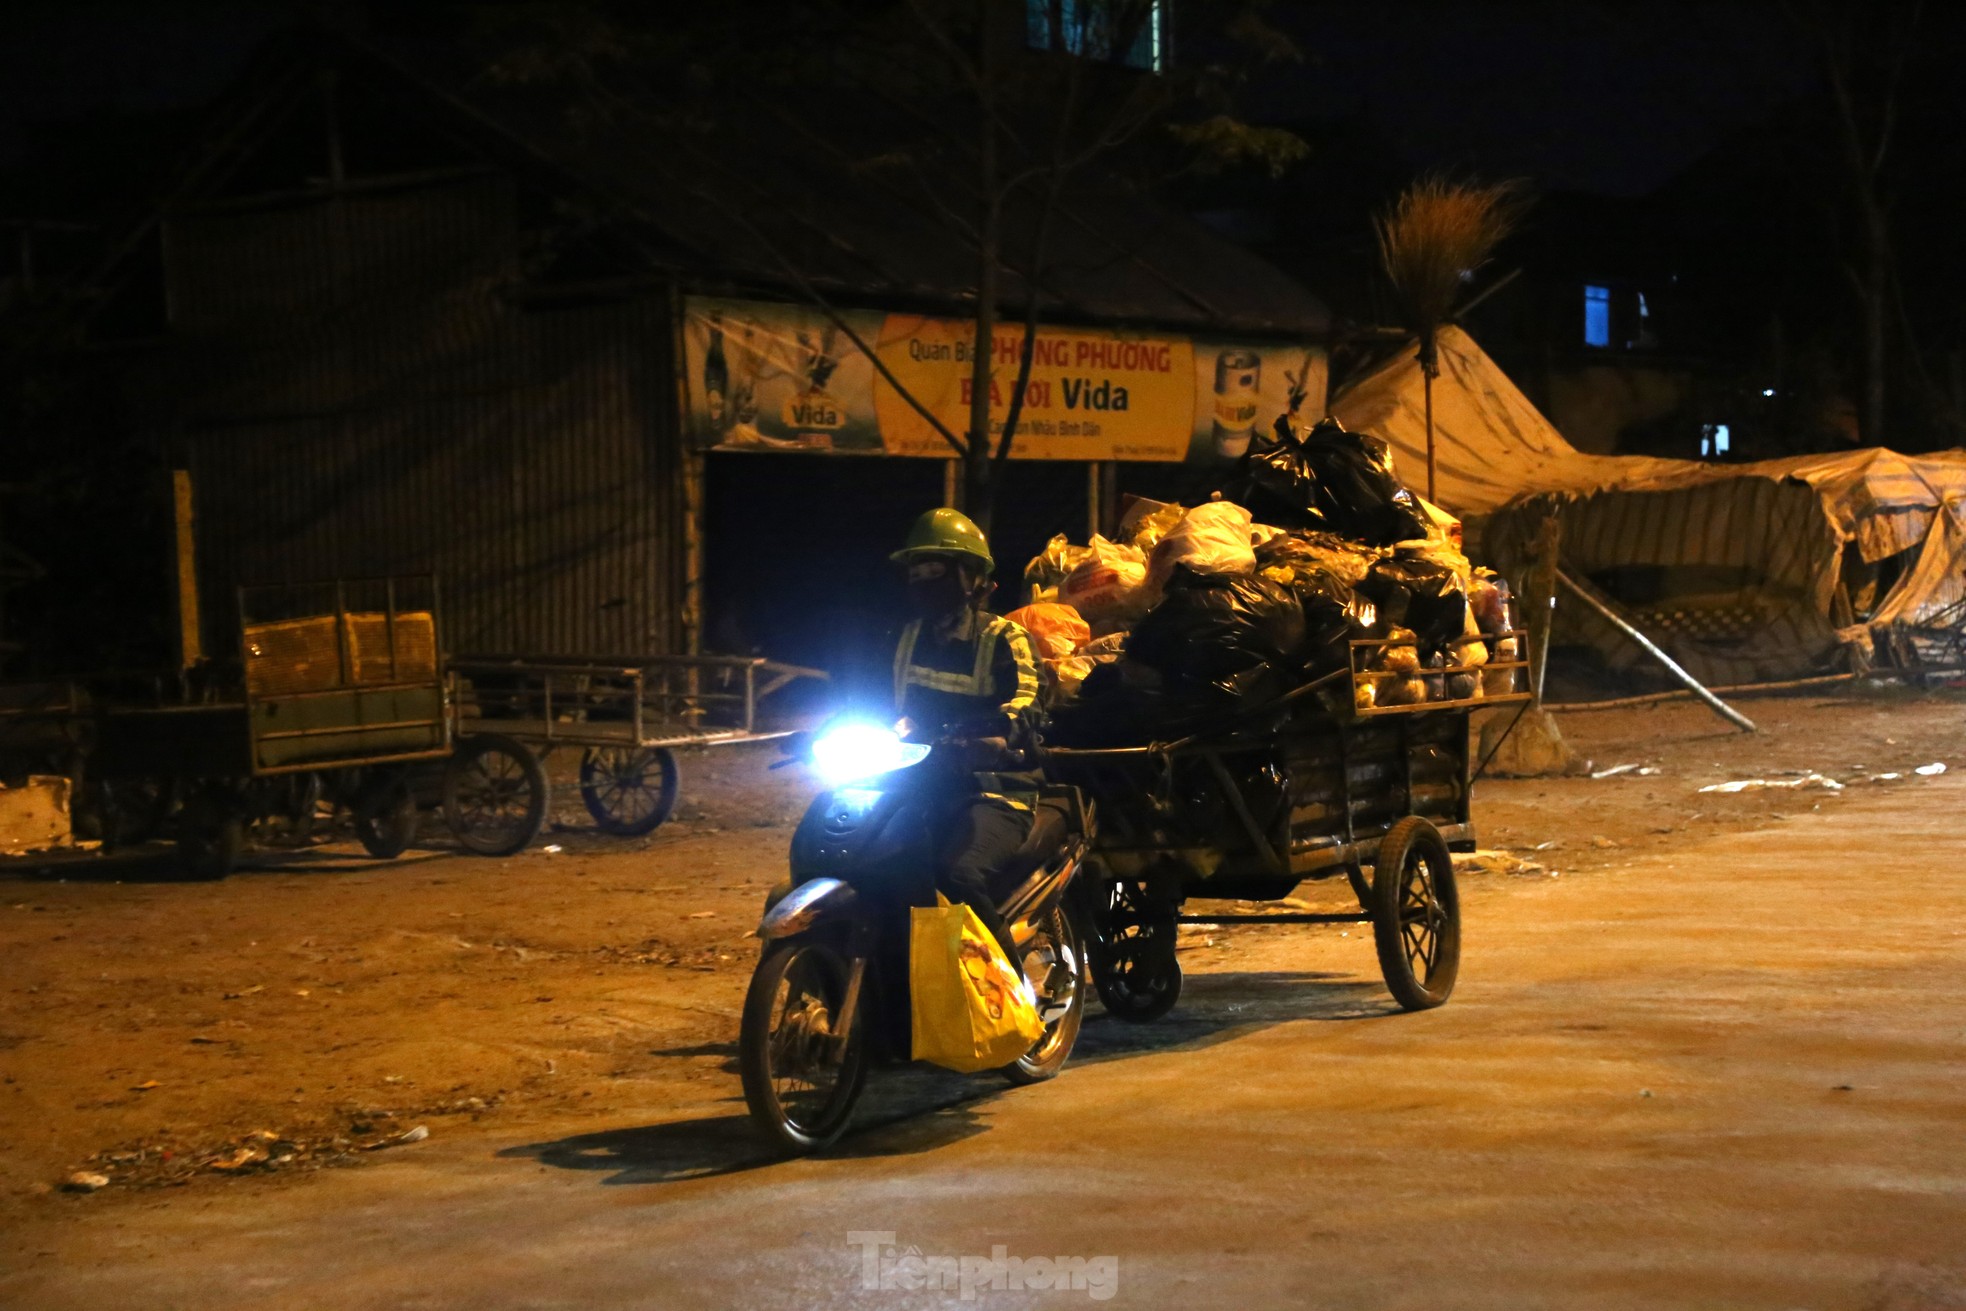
(948, 44)
(928, 199)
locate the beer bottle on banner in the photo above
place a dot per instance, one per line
(716, 374)
(1238, 378)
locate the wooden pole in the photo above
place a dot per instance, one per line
(1427, 381)
(191, 644)
(1646, 644)
(1738, 689)
(1542, 597)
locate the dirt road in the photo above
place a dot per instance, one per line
(1711, 1054)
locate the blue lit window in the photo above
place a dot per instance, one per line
(1129, 32)
(1597, 316)
(1715, 440)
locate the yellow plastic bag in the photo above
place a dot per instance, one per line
(970, 1008)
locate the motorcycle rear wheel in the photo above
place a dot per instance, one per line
(800, 1085)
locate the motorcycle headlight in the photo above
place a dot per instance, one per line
(850, 752)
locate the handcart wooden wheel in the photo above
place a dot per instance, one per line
(211, 831)
(629, 790)
(1416, 915)
(385, 814)
(132, 810)
(495, 795)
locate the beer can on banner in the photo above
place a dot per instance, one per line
(1238, 377)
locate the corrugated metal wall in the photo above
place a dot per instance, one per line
(356, 397)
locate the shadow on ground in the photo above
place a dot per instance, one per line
(917, 1108)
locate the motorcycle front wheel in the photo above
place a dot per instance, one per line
(1054, 962)
(800, 1081)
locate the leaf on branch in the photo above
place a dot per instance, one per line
(1223, 142)
(1269, 44)
(880, 163)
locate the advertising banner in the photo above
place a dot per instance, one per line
(767, 376)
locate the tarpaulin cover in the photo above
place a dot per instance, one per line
(1743, 572)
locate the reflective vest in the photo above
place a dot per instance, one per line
(976, 680)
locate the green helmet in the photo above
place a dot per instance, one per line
(946, 532)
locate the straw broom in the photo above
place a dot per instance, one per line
(1431, 241)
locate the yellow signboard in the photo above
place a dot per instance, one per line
(1090, 396)
(766, 376)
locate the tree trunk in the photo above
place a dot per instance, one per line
(978, 490)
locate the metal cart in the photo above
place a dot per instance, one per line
(628, 715)
(337, 692)
(1309, 786)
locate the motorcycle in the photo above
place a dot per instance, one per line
(830, 995)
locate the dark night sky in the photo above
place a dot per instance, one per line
(1605, 98)
(1601, 98)
(89, 58)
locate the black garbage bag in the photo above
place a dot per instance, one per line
(1123, 703)
(1277, 484)
(1312, 566)
(1426, 597)
(1215, 628)
(1325, 478)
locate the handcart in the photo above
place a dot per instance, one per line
(628, 715)
(337, 692)
(1312, 785)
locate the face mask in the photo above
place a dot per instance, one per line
(936, 598)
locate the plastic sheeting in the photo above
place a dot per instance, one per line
(1743, 563)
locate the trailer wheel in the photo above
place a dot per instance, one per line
(132, 810)
(629, 790)
(1416, 915)
(1136, 973)
(385, 816)
(210, 834)
(494, 795)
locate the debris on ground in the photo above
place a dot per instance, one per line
(1487, 861)
(1936, 767)
(1757, 784)
(82, 1181)
(239, 1159)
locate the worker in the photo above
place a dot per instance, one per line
(963, 674)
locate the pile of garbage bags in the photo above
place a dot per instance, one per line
(1193, 612)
